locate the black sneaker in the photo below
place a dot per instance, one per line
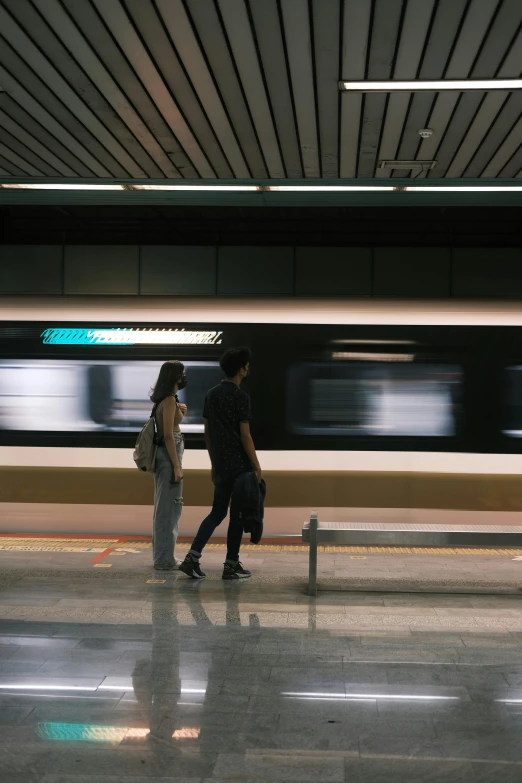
(235, 572)
(190, 567)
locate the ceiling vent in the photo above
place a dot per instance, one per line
(408, 165)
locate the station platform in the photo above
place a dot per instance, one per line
(483, 569)
(407, 668)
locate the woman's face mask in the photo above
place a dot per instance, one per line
(182, 381)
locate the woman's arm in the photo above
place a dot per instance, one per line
(169, 411)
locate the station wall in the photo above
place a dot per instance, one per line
(131, 270)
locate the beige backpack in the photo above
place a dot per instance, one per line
(147, 446)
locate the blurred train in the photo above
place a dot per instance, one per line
(384, 410)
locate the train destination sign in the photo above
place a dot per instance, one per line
(129, 336)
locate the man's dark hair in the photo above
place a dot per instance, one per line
(234, 360)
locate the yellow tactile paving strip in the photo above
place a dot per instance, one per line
(51, 544)
(370, 550)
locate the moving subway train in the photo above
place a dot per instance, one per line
(367, 410)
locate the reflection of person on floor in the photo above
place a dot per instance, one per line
(185, 668)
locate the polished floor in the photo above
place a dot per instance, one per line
(110, 673)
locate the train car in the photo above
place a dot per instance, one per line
(365, 410)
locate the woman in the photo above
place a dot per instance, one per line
(168, 477)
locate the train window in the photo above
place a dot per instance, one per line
(512, 402)
(373, 398)
(83, 396)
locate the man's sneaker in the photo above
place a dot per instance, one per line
(235, 572)
(190, 567)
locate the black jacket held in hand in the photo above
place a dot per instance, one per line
(248, 504)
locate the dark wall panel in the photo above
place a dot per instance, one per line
(256, 270)
(101, 269)
(31, 269)
(333, 271)
(172, 269)
(412, 272)
(261, 271)
(487, 272)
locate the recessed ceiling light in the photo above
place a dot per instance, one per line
(461, 85)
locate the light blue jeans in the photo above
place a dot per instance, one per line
(168, 505)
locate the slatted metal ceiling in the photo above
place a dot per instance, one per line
(249, 88)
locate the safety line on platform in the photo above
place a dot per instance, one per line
(101, 548)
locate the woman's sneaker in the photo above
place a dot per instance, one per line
(190, 567)
(169, 566)
(235, 571)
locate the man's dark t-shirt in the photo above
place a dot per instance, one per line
(226, 405)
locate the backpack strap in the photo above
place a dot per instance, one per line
(157, 441)
(153, 417)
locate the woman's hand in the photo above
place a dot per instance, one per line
(182, 407)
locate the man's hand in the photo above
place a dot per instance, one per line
(259, 474)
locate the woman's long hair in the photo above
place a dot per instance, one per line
(170, 374)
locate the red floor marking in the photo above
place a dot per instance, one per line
(102, 555)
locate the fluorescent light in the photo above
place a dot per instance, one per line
(55, 186)
(193, 690)
(276, 188)
(129, 687)
(373, 357)
(374, 342)
(461, 85)
(366, 696)
(194, 187)
(30, 687)
(329, 698)
(464, 188)
(325, 188)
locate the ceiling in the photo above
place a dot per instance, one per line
(248, 89)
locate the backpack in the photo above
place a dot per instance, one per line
(146, 445)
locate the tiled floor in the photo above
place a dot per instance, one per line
(106, 677)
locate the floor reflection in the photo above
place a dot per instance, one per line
(256, 682)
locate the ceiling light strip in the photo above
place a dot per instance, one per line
(59, 186)
(274, 188)
(196, 187)
(463, 188)
(459, 85)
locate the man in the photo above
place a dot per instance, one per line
(231, 449)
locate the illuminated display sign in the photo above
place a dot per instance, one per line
(124, 336)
